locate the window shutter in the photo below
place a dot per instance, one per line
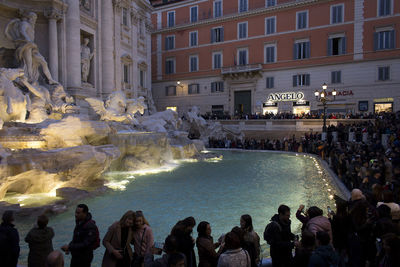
(339, 15)
(380, 74)
(272, 82)
(344, 45)
(333, 77)
(212, 87)
(339, 77)
(222, 34)
(307, 79)
(376, 35)
(295, 49)
(166, 43)
(392, 39)
(212, 36)
(334, 15)
(272, 54)
(307, 48)
(294, 80)
(329, 47)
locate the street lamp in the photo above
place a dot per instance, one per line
(323, 98)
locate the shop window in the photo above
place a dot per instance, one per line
(363, 106)
(336, 77)
(384, 7)
(170, 90)
(193, 38)
(170, 42)
(269, 82)
(217, 87)
(193, 89)
(302, 20)
(270, 25)
(193, 14)
(242, 30)
(170, 66)
(301, 80)
(384, 39)
(336, 46)
(171, 108)
(217, 35)
(337, 12)
(383, 107)
(384, 73)
(217, 8)
(301, 50)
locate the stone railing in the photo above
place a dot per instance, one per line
(241, 68)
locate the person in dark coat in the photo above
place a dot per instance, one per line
(9, 241)
(182, 231)
(280, 237)
(206, 246)
(324, 254)
(304, 251)
(170, 249)
(84, 239)
(40, 242)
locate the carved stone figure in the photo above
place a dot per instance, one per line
(136, 105)
(114, 108)
(22, 33)
(85, 4)
(13, 103)
(60, 99)
(86, 57)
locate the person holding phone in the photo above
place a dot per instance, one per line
(117, 242)
(206, 246)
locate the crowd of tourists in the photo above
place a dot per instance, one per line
(287, 115)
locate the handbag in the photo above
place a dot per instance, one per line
(138, 259)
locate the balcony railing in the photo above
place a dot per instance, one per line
(241, 68)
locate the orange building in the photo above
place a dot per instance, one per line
(257, 56)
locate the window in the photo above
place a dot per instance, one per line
(126, 73)
(270, 27)
(269, 3)
(243, 6)
(217, 9)
(217, 60)
(301, 80)
(125, 16)
(384, 40)
(337, 12)
(217, 87)
(336, 76)
(302, 20)
(384, 73)
(170, 90)
(270, 53)
(242, 30)
(193, 89)
(193, 63)
(384, 7)
(301, 50)
(193, 13)
(170, 42)
(170, 66)
(336, 46)
(242, 56)
(142, 78)
(270, 82)
(193, 38)
(171, 18)
(217, 35)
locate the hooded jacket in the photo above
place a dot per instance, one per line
(40, 245)
(320, 224)
(281, 245)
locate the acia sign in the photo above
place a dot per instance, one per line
(288, 96)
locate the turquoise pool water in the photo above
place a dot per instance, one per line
(218, 191)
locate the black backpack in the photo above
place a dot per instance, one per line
(269, 231)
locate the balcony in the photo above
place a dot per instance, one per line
(246, 71)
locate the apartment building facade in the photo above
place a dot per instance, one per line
(257, 56)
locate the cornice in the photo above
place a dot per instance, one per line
(88, 21)
(250, 13)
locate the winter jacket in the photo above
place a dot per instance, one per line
(319, 223)
(206, 249)
(252, 241)
(143, 248)
(111, 241)
(185, 246)
(234, 258)
(9, 245)
(40, 245)
(324, 256)
(83, 241)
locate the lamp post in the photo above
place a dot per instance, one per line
(323, 98)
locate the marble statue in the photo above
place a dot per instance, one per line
(164, 121)
(60, 99)
(22, 33)
(85, 4)
(115, 108)
(13, 103)
(86, 57)
(136, 105)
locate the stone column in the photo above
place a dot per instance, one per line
(134, 38)
(117, 44)
(73, 35)
(53, 15)
(107, 49)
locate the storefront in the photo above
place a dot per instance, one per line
(301, 107)
(292, 102)
(383, 104)
(270, 107)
